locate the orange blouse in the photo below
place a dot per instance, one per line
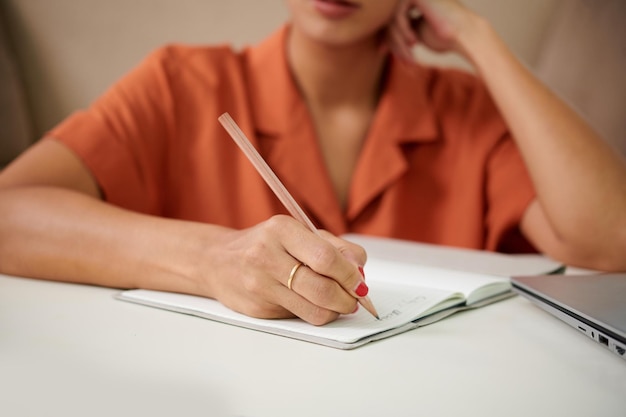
(438, 164)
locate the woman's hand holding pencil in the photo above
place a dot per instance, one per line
(323, 275)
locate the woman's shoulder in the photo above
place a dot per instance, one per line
(457, 100)
(451, 85)
(461, 92)
(197, 62)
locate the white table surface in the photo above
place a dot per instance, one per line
(73, 350)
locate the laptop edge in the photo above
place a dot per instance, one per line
(602, 335)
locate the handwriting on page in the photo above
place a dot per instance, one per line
(396, 305)
(400, 306)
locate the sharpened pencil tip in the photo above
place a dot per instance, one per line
(365, 302)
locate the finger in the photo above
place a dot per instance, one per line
(403, 24)
(322, 291)
(282, 268)
(399, 46)
(268, 298)
(322, 257)
(304, 309)
(350, 250)
(327, 261)
(288, 304)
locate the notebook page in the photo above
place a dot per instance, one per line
(461, 259)
(396, 304)
(467, 283)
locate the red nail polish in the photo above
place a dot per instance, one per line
(361, 290)
(361, 271)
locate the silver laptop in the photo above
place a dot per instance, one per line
(593, 304)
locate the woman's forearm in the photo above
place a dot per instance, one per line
(580, 180)
(58, 234)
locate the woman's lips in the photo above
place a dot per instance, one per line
(335, 9)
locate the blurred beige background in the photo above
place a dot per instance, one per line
(66, 52)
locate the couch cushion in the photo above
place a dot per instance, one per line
(15, 129)
(584, 60)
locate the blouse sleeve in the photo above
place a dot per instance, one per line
(509, 191)
(122, 137)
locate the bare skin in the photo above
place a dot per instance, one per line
(54, 224)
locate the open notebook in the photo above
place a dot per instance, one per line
(406, 294)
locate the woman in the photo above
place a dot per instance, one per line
(145, 189)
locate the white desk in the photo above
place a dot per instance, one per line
(70, 350)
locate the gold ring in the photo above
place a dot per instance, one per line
(414, 13)
(293, 274)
